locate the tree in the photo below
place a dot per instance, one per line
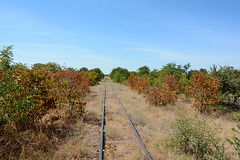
(186, 67)
(70, 69)
(53, 67)
(173, 69)
(144, 70)
(50, 66)
(99, 72)
(205, 90)
(39, 66)
(203, 70)
(6, 58)
(230, 83)
(83, 69)
(119, 75)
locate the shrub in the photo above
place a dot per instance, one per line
(25, 95)
(100, 74)
(193, 136)
(166, 94)
(139, 84)
(119, 75)
(205, 90)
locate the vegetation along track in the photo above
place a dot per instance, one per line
(102, 143)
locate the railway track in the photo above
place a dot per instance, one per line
(102, 143)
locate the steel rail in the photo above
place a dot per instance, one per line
(102, 131)
(138, 137)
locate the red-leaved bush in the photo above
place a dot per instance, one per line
(205, 91)
(158, 96)
(139, 84)
(166, 94)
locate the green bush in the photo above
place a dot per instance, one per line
(119, 75)
(230, 84)
(193, 136)
(100, 74)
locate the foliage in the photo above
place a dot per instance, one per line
(158, 96)
(119, 75)
(133, 73)
(71, 87)
(139, 84)
(173, 69)
(83, 69)
(92, 76)
(144, 70)
(100, 74)
(6, 58)
(204, 90)
(230, 83)
(186, 67)
(193, 136)
(50, 66)
(25, 95)
(166, 94)
(70, 68)
(156, 77)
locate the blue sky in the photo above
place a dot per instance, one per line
(125, 33)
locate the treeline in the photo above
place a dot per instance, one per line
(220, 86)
(26, 94)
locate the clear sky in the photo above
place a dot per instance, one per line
(125, 33)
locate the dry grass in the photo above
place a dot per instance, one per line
(154, 123)
(36, 141)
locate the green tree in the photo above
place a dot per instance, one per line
(39, 66)
(53, 67)
(99, 72)
(203, 70)
(70, 69)
(157, 76)
(144, 70)
(83, 69)
(6, 58)
(186, 67)
(230, 83)
(119, 75)
(50, 66)
(173, 69)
